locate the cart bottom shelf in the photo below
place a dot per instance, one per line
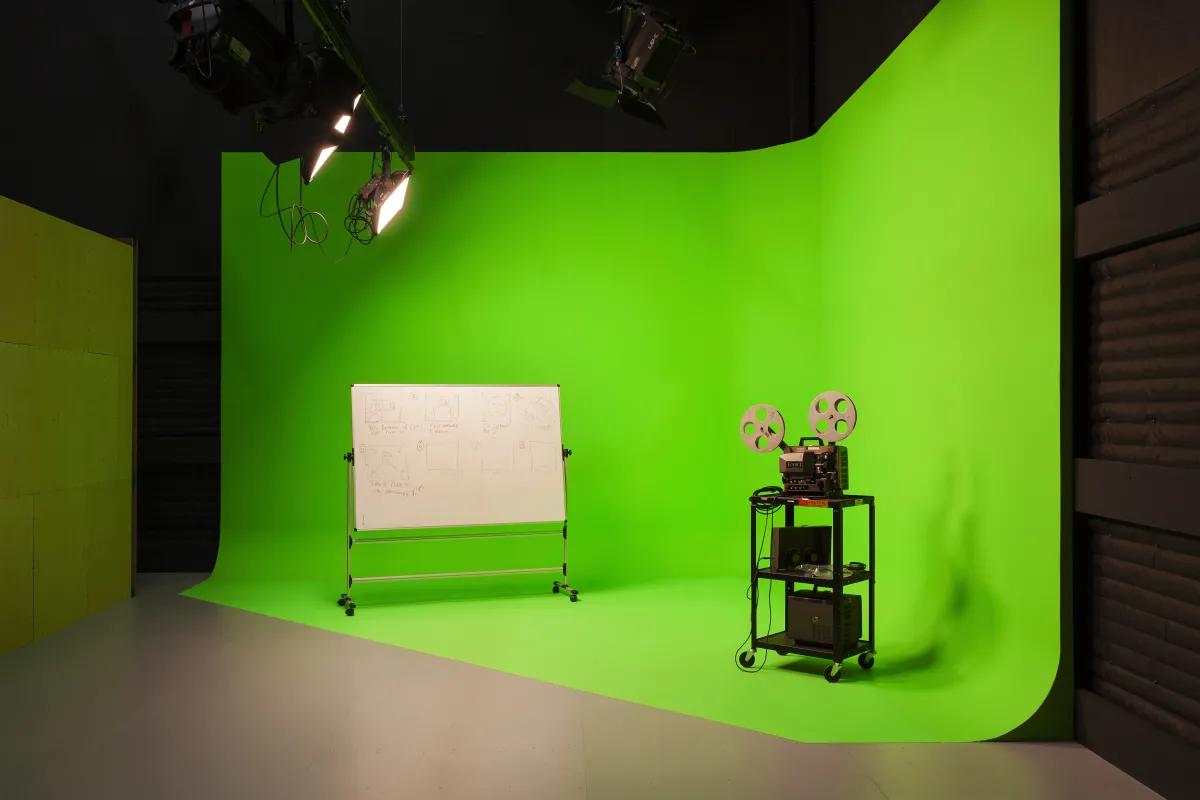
(781, 644)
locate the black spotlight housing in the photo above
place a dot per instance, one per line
(311, 116)
(229, 50)
(642, 65)
(304, 96)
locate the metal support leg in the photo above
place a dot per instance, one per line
(754, 576)
(345, 601)
(563, 586)
(838, 648)
(871, 583)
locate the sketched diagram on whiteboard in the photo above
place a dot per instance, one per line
(441, 455)
(387, 469)
(441, 407)
(498, 456)
(381, 409)
(544, 456)
(496, 409)
(540, 412)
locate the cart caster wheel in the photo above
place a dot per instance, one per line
(780, 653)
(341, 601)
(833, 673)
(556, 589)
(746, 659)
(574, 597)
(866, 660)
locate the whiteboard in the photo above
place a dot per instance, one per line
(446, 456)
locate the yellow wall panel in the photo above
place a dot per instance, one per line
(111, 293)
(125, 401)
(66, 422)
(46, 389)
(16, 572)
(59, 560)
(17, 423)
(61, 309)
(109, 518)
(18, 282)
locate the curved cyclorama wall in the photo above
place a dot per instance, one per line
(940, 241)
(908, 255)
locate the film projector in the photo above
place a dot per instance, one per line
(818, 466)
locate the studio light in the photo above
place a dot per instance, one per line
(389, 198)
(310, 121)
(378, 202)
(229, 50)
(305, 96)
(644, 58)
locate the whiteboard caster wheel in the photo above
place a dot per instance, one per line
(746, 659)
(574, 597)
(833, 673)
(350, 609)
(866, 660)
(556, 587)
(342, 600)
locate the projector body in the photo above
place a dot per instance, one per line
(818, 469)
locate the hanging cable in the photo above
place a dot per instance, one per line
(303, 226)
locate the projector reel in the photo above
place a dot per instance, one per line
(832, 408)
(762, 435)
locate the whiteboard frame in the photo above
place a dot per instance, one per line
(351, 519)
(562, 437)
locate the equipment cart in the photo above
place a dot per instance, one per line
(780, 642)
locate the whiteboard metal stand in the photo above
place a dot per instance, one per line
(348, 603)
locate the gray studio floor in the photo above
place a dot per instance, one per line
(167, 697)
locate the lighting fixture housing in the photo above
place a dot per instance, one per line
(643, 62)
(378, 202)
(229, 50)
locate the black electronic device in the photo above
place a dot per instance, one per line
(815, 469)
(644, 57)
(230, 50)
(810, 618)
(794, 546)
(818, 466)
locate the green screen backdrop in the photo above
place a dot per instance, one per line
(908, 254)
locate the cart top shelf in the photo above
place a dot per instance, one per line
(845, 501)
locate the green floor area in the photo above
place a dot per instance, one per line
(671, 645)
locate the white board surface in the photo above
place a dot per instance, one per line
(448, 456)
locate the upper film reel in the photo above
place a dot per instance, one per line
(832, 416)
(762, 428)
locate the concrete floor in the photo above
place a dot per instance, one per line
(167, 697)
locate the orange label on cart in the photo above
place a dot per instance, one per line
(813, 503)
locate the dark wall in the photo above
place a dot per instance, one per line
(116, 142)
(1137, 387)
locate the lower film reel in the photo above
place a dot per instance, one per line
(762, 428)
(832, 416)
